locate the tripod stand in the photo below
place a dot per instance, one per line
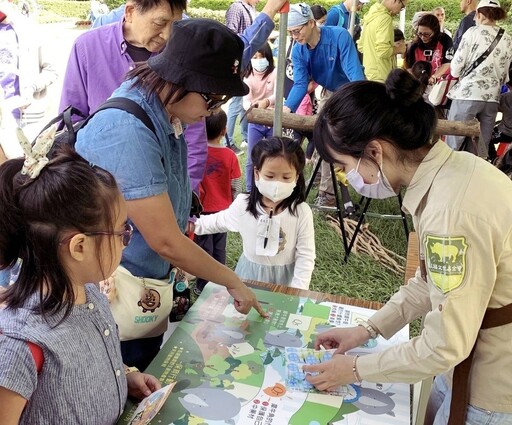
(349, 210)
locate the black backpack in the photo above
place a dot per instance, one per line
(67, 129)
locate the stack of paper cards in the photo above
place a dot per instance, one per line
(149, 407)
(295, 358)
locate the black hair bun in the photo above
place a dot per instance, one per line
(402, 88)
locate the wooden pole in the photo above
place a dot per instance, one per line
(306, 123)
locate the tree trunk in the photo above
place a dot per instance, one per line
(306, 123)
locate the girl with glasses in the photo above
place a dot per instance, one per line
(60, 354)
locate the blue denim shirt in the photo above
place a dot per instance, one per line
(143, 166)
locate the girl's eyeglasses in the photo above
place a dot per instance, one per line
(126, 235)
(214, 101)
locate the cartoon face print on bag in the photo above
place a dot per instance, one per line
(150, 300)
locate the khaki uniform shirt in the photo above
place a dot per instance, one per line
(462, 212)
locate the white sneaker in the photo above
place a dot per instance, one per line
(243, 144)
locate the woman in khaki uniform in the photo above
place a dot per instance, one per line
(382, 135)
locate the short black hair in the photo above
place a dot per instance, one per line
(175, 5)
(318, 11)
(216, 124)
(398, 35)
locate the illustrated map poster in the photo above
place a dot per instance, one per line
(229, 368)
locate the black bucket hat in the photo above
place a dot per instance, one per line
(203, 56)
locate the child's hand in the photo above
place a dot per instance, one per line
(140, 385)
(191, 227)
(261, 104)
(245, 299)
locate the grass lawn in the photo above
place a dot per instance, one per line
(362, 276)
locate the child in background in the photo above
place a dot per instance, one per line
(399, 43)
(275, 223)
(261, 79)
(221, 184)
(67, 222)
(422, 70)
(320, 14)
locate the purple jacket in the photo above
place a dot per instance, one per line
(97, 65)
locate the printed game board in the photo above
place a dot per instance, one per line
(231, 369)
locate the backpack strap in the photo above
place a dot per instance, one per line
(37, 354)
(341, 16)
(64, 120)
(127, 105)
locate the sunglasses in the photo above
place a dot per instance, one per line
(126, 235)
(296, 31)
(214, 101)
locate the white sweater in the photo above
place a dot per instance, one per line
(295, 234)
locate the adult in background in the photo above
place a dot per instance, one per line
(431, 45)
(440, 14)
(468, 7)
(477, 95)
(100, 58)
(239, 16)
(197, 72)
(382, 136)
(339, 15)
(311, 58)
(377, 40)
(25, 75)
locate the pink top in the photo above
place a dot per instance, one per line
(260, 88)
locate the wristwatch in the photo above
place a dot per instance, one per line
(371, 330)
(130, 369)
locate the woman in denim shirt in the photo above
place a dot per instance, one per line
(195, 74)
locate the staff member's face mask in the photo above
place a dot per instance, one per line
(380, 190)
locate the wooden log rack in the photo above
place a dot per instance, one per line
(306, 123)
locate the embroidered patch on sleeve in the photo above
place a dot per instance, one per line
(446, 261)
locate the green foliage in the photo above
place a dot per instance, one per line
(56, 10)
(65, 9)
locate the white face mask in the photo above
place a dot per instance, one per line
(275, 190)
(259, 65)
(380, 190)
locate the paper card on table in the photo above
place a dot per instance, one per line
(149, 407)
(241, 349)
(296, 321)
(295, 358)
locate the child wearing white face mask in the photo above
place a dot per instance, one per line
(274, 221)
(261, 78)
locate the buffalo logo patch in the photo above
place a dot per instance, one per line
(446, 261)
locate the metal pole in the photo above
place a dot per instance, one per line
(353, 12)
(281, 61)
